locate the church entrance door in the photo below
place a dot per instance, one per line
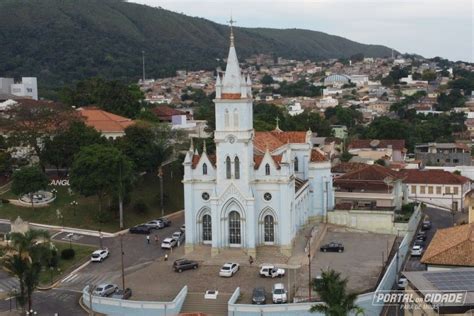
(234, 229)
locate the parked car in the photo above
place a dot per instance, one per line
(271, 271)
(105, 289)
(426, 225)
(419, 242)
(279, 293)
(166, 222)
(168, 243)
(122, 294)
(259, 296)
(179, 236)
(155, 224)
(229, 269)
(416, 251)
(184, 264)
(100, 255)
(420, 236)
(332, 246)
(140, 229)
(402, 283)
(183, 228)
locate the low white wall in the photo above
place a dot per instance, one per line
(375, 221)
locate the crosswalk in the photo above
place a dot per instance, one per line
(79, 280)
(8, 284)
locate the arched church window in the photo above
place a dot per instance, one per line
(296, 164)
(237, 168)
(226, 118)
(206, 228)
(227, 168)
(267, 169)
(236, 118)
(269, 228)
(234, 228)
(204, 169)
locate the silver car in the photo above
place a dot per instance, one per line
(105, 289)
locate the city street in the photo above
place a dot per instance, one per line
(64, 298)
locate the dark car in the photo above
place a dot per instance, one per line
(122, 294)
(419, 242)
(332, 246)
(420, 236)
(140, 229)
(259, 296)
(166, 222)
(426, 225)
(184, 264)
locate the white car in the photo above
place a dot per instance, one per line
(271, 271)
(179, 236)
(105, 289)
(168, 243)
(100, 255)
(279, 293)
(416, 251)
(155, 224)
(229, 269)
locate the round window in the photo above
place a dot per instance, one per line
(205, 196)
(267, 196)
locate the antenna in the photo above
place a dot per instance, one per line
(143, 59)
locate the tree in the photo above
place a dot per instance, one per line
(113, 96)
(59, 151)
(100, 170)
(144, 147)
(266, 79)
(29, 252)
(428, 75)
(29, 180)
(332, 291)
(28, 124)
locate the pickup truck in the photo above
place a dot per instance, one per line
(271, 271)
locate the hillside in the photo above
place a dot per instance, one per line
(60, 41)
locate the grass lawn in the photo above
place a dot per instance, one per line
(82, 255)
(146, 189)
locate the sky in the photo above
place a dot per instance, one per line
(426, 27)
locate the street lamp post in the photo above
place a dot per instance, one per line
(74, 205)
(121, 255)
(100, 239)
(160, 175)
(309, 266)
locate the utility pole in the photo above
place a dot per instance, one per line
(143, 59)
(120, 195)
(121, 255)
(91, 289)
(309, 265)
(160, 175)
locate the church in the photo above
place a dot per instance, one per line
(259, 188)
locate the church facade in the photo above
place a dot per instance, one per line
(259, 188)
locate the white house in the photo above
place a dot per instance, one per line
(27, 87)
(259, 188)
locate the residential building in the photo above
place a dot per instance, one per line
(108, 124)
(443, 154)
(27, 87)
(451, 248)
(346, 167)
(371, 187)
(360, 80)
(339, 131)
(166, 113)
(373, 149)
(327, 102)
(424, 283)
(259, 188)
(436, 188)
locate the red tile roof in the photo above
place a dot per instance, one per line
(452, 246)
(372, 177)
(258, 160)
(432, 176)
(104, 121)
(274, 139)
(164, 112)
(383, 143)
(345, 167)
(317, 156)
(196, 158)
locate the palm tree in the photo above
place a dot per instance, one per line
(28, 253)
(332, 291)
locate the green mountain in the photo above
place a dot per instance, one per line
(60, 41)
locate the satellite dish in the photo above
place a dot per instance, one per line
(374, 143)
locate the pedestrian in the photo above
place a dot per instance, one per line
(156, 239)
(250, 260)
(166, 257)
(148, 239)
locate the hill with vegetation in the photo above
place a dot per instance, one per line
(62, 41)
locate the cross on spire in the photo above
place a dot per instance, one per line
(231, 22)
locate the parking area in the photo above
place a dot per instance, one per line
(361, 262)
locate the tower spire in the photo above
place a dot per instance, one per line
(231, 22)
